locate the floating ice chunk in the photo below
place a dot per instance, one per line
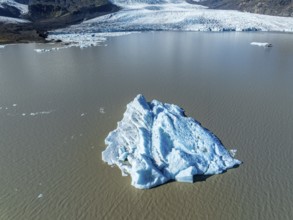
(40, 113)
(82, 114)
(260, 44)
(51, 49)
(155, 142)
(2, 46)
(233, 152)
(102, 110)
(40, 196)
(186, 175)
(42, 50)
(14, 105)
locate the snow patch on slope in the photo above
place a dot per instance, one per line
(12, 20)
(21, 7)
(155, 142)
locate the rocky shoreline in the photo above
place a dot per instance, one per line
(21, 33)
(36, 30)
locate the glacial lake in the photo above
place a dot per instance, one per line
(57, 108)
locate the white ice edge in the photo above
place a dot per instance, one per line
(155, 143)
(81, 40)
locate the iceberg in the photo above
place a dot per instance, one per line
(156, 142)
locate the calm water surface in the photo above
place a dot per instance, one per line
(57, 108)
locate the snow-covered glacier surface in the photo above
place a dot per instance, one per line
(155, 143)
(179, 15)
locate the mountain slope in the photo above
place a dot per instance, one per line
(45, 15)
(270, 7)
(68, 11)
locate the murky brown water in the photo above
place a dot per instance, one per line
(52, 127)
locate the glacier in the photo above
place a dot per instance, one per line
(156, 142)
(170, 15)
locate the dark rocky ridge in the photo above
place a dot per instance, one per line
(269, 7)
(51, 14)
(46, 15)
(9, 11)
(67, 11)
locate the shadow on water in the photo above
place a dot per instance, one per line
(201, 178)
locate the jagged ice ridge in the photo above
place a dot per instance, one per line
(155, 143)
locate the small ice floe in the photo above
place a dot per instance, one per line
(23, 114)
(233, 152)
(2, 46)
(42, 50)
(156, 142)
(260, 44)
(82, 114)
(102, 110)
(50, 49)
(14, 105)
(39, 113)
(40, 196)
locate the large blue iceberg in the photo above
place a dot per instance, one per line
(155, 143)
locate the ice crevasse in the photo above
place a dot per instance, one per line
(156, 142)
